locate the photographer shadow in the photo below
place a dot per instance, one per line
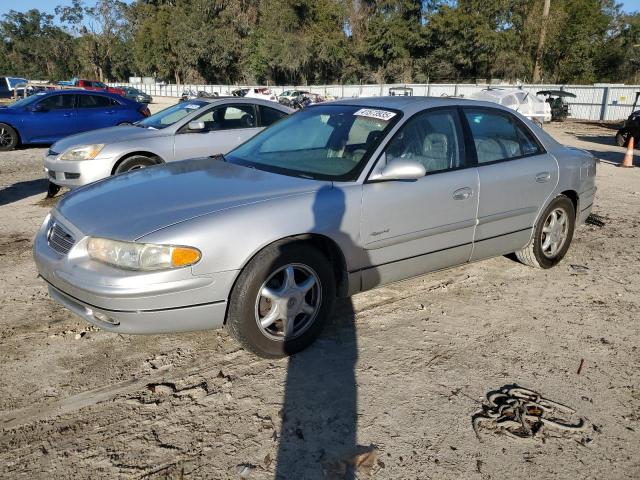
(318, 436)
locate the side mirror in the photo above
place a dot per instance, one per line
(399, 169)
(196, 126)
(38, 108)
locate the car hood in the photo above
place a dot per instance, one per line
(109, 135)
(131, 205)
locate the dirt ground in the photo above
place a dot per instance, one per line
(397, 376)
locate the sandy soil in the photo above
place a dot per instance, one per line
(399, 373)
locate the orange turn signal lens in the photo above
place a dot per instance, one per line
(182, 256)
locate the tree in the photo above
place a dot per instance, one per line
(32, 46)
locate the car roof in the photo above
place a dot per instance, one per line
(225, 99)
(76, 91)
(414, 104)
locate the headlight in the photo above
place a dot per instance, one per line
(86, 152)
(141, 256)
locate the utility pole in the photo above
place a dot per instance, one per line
(543, 33)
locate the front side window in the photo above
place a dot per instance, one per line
(171, 115)
(323, 142)
(57, 102)
(228, 117)
(498, 136)
(432, 138)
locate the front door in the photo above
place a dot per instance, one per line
(226, 127)
(413, 227)
(51, 119)
(516, 178)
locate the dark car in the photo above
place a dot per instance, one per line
(11, 85)
(46, 117)
(630, 127)
(559, 108)
(136, 95)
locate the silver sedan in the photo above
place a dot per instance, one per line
(197, 128)
(336, 199)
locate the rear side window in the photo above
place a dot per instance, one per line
(57, 102)
(270, 115)
(94, 101)
(499, 136)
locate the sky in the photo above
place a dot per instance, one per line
(45, 5)
(49, 5)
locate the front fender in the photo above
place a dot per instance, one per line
(228, 239)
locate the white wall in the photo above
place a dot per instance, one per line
(592, 102)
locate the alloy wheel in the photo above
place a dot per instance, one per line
(5, 137)
(554, 232)
(288, 302)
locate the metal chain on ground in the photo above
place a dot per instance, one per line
(523, 413)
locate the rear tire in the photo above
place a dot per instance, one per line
(262, 293)
(135, 162)
(9, 138)
(552, 235)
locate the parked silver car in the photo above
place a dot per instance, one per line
(197, 128)
(336, 199)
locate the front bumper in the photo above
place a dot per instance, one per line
(76, 173)
(126, 301)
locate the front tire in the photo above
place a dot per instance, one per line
(552, 235)
(135, 162)
(9, 138)
(282, 300)
(621, 138)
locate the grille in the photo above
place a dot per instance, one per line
(59, 239)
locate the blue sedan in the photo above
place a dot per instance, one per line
(49, 116)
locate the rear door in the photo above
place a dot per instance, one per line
(98, 111)
(516, 178)
(226, 127)
(50, 119)
(413, 227)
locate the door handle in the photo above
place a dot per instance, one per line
(67, 114)
(543, 177)
(462, 193)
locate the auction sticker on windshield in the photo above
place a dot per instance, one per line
(373, 113)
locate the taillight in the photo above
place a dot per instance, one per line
(145, 111)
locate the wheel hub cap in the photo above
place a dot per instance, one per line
(554, 232)
(288, 302)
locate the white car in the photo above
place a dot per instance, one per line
(255, 92)
(523, 102)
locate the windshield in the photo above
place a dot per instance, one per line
(329, 142)
(171, 115)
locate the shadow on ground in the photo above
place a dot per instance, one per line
(21, 190)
